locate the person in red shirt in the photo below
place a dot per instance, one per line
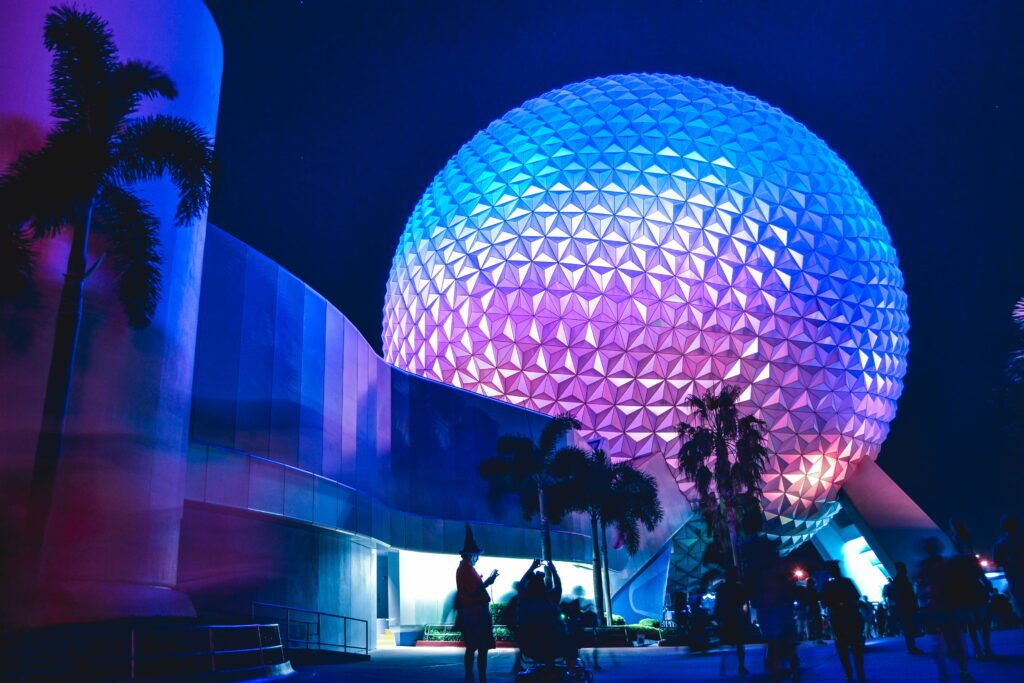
(474, 614)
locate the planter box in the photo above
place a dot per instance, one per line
(407, 635)
(502, 644)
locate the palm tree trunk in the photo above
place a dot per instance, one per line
(607, 576)
(595, 530)
(58, 390)
(545, 527)
(730, 513)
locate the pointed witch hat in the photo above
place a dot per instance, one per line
(469, 546)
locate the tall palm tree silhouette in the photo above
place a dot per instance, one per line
(613, 495)
(80, 182)
(724, 454)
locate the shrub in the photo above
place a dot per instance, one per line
(441, 633)
(635, 630)
(649, 623)
(501, 614)
(618, 621)
(502, 633)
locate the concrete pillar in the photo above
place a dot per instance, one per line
(111, 546)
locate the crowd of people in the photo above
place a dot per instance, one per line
(948, 597)
(547, 628)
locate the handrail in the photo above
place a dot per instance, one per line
(259, 649)
(314, 640)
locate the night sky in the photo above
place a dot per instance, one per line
(336, 115)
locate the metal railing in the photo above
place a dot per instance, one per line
(191, 650)
(305, 629)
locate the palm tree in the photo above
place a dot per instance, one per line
(1017, 359)
(80, 182)
(524, 468)
(631, 503)
(724, 454)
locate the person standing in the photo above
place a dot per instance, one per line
(903, 605)
(841, 598)
(731, 615)
(474, 614)
(1009, 555)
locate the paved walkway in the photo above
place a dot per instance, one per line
(886, 661)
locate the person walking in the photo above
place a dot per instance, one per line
(841, 598)
(934, 596)
(903, 606)
(771, 594)
(970, 590)
(473, 618)
(815, 627)
(867, 616)
(1009, 555)
(802, 608)
(732, 617)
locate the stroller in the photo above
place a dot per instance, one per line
(544, 667)
(544, 654)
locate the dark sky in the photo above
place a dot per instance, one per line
(336, 115)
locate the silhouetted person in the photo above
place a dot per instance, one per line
(512, 608)
(1001, 610)
(867, 616)
(802, 608)
(771, 593)
(699, 620)
(903, 606)
(732, 617)
(1009, 554)
(841, 598)
(543, 635)
(882, 620)
(474, 614)
(815, 628)
(580, 615)
(970, 590)
(934, 597)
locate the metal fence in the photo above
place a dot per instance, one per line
(304, 629)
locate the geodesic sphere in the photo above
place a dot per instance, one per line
(615, 245)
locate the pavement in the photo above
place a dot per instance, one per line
(886, 661)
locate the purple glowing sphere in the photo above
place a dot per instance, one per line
(615, 245)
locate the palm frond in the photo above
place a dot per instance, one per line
(84, 56)
(632, 502)
(16, 260)
(555, 430)
(133, 81)
(1018, 314)
(149, 147)
(131, 229)
(44, 188)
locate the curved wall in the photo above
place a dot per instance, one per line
(285, 380)
(111, 547)
(300, 431)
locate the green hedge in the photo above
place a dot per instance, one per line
(445, 633)
(606, 636)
